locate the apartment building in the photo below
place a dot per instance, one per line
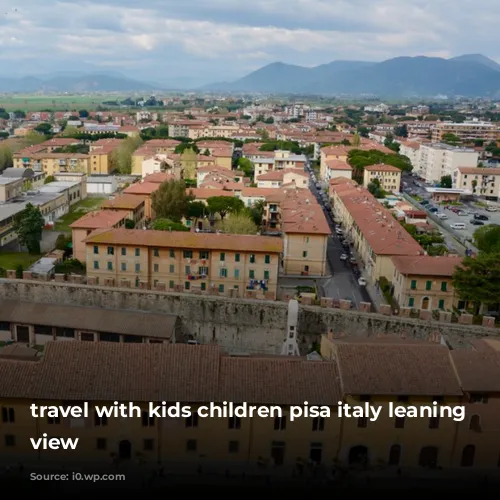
(100, 156)
(277, 160)
(467, 131)
(151, 149)
(32, 180)
(8, 213)
(467, 376)
(336, 168)
(34, 324)
(375, 234)
(483, 182)
(388, 176)
(10, 187)
(411, 150)
(278, 178)
(438, 160)
(134, 205)
(53, 163)
(144, 191)
(424, 282)
(185, 261)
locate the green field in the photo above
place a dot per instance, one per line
(10, 260)
(55, 102)
(76, 211)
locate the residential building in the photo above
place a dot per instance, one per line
(185, 261)
(336, 168)
(133, 204)
(74, 191)
(438, 160)
(10, 187)
(53, 163)
(144, 191)
(151, 149)
(388, 176)
(373, 231)
(277, 178)
(97, 219)
(424, 282)
(101, 184)
(467, 131)
(101, 154)
(483, 182)
(411, 150)
(8, 213)
(32, 180)
(32, 323)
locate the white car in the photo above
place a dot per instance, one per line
(442, 216)
(338, 231)
(361, 282)
(344, 256)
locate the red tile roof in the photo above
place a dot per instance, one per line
(99, 219)
(426, 265)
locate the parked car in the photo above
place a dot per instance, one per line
(339, 231)
(353, 261)
(476, 222)
(433, 210)
(491, 209)
(481, 217)
(441, 216)
(344, 256)
(463, 213)
(424, 202)
(361, 281)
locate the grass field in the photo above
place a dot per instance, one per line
(54, 103)
(77, 210)
(10, 260)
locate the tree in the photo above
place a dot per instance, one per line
(83, 113)
(70, 131)
(356, 140)
(246, 166)
(28, 225)
(450, 139)
(478, 279)
(168, 225)
(5, 157)
(257, 212)
(238, 223)
(48, 179)
(129, 224)
(32, 138)
(401, 131)
(63, 240)
(181, 148)
(197, 210)
(446, 182)
(121, 157)
(171, 201)
(375, 189)
(44, 128)
(223, 205)
(487, 239)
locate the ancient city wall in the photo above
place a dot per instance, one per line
(241, 325)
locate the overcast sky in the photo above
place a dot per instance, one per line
(220, 40)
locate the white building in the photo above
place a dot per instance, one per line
(412, 151)
(101, 184)
(483, 182)
(438, 160)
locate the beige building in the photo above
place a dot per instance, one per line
(150, 149)
(133, 204)
(483, 182)
(277, 178)
(336, 168)
(185, 261)
(424, 282)
(373, 231)
(388, 176)
(53, 163)
(467, 131)
(10, 187)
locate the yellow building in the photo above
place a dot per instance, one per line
(53, 163)
(185, 261)
(134, 205)
(483, 182)
(354, 373)
(388, 176)
(424, 282)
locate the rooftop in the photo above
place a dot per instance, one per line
(100, 219)
(382, 167)
(426, 265)
(124, 201)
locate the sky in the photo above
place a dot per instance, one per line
(194, 42)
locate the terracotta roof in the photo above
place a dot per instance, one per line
(99, 219)
(338, 165)
(382, 167)
(411, 370)
(272, 175)
(94, 319)
(158, 177)
(181, 239)
(426, 265)
(479, 171)
(124, 201)
(478, 371)
(145, 188)
(204, 193)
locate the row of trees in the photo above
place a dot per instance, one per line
(359, 159)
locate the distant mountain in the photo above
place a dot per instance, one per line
(71, 82)
(470, 75)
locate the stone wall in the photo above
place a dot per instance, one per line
(242, 325)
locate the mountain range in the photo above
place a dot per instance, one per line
(471, 75)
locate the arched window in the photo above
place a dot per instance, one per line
(475, 423)
(468, 456)
(395, 454)
(428, 457)
(358, 455)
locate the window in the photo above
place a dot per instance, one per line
(187, 254)
(10, 440)
(111, 251)
(53, 420)
(172, 254)
(234, 423)
(362, 422)
(267, 259)
(468, 456)
(96, 249)
(395, 454)
(156, 252)
(204, 255)
(237, 257)
(171, 284)
(147, 420)
(124, 251)
(444, 286)
(237, 274)
(441, 304)
(399, 423)
(280, 423)
(148, 445)
(266, 275)
(187, 269)
(110, 266)
(192, 421)
(222, 257)
(251, 274)
(304, 254)
(223, 273)
(234, 447)
(137, 252)
(434, 423)
(191, 445)
(278, 452)
(96, 264)
(413, 285)
(8, 415)
(318, 424)
(252, 258)
(187, 285)
(100, 421)
(428, 285)
(156, 268)
(171, 268)
(475, 423)
(123, 266)
(316, 452)
(203, 287)
(101, 444)
(411, 302)
(221, 288)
